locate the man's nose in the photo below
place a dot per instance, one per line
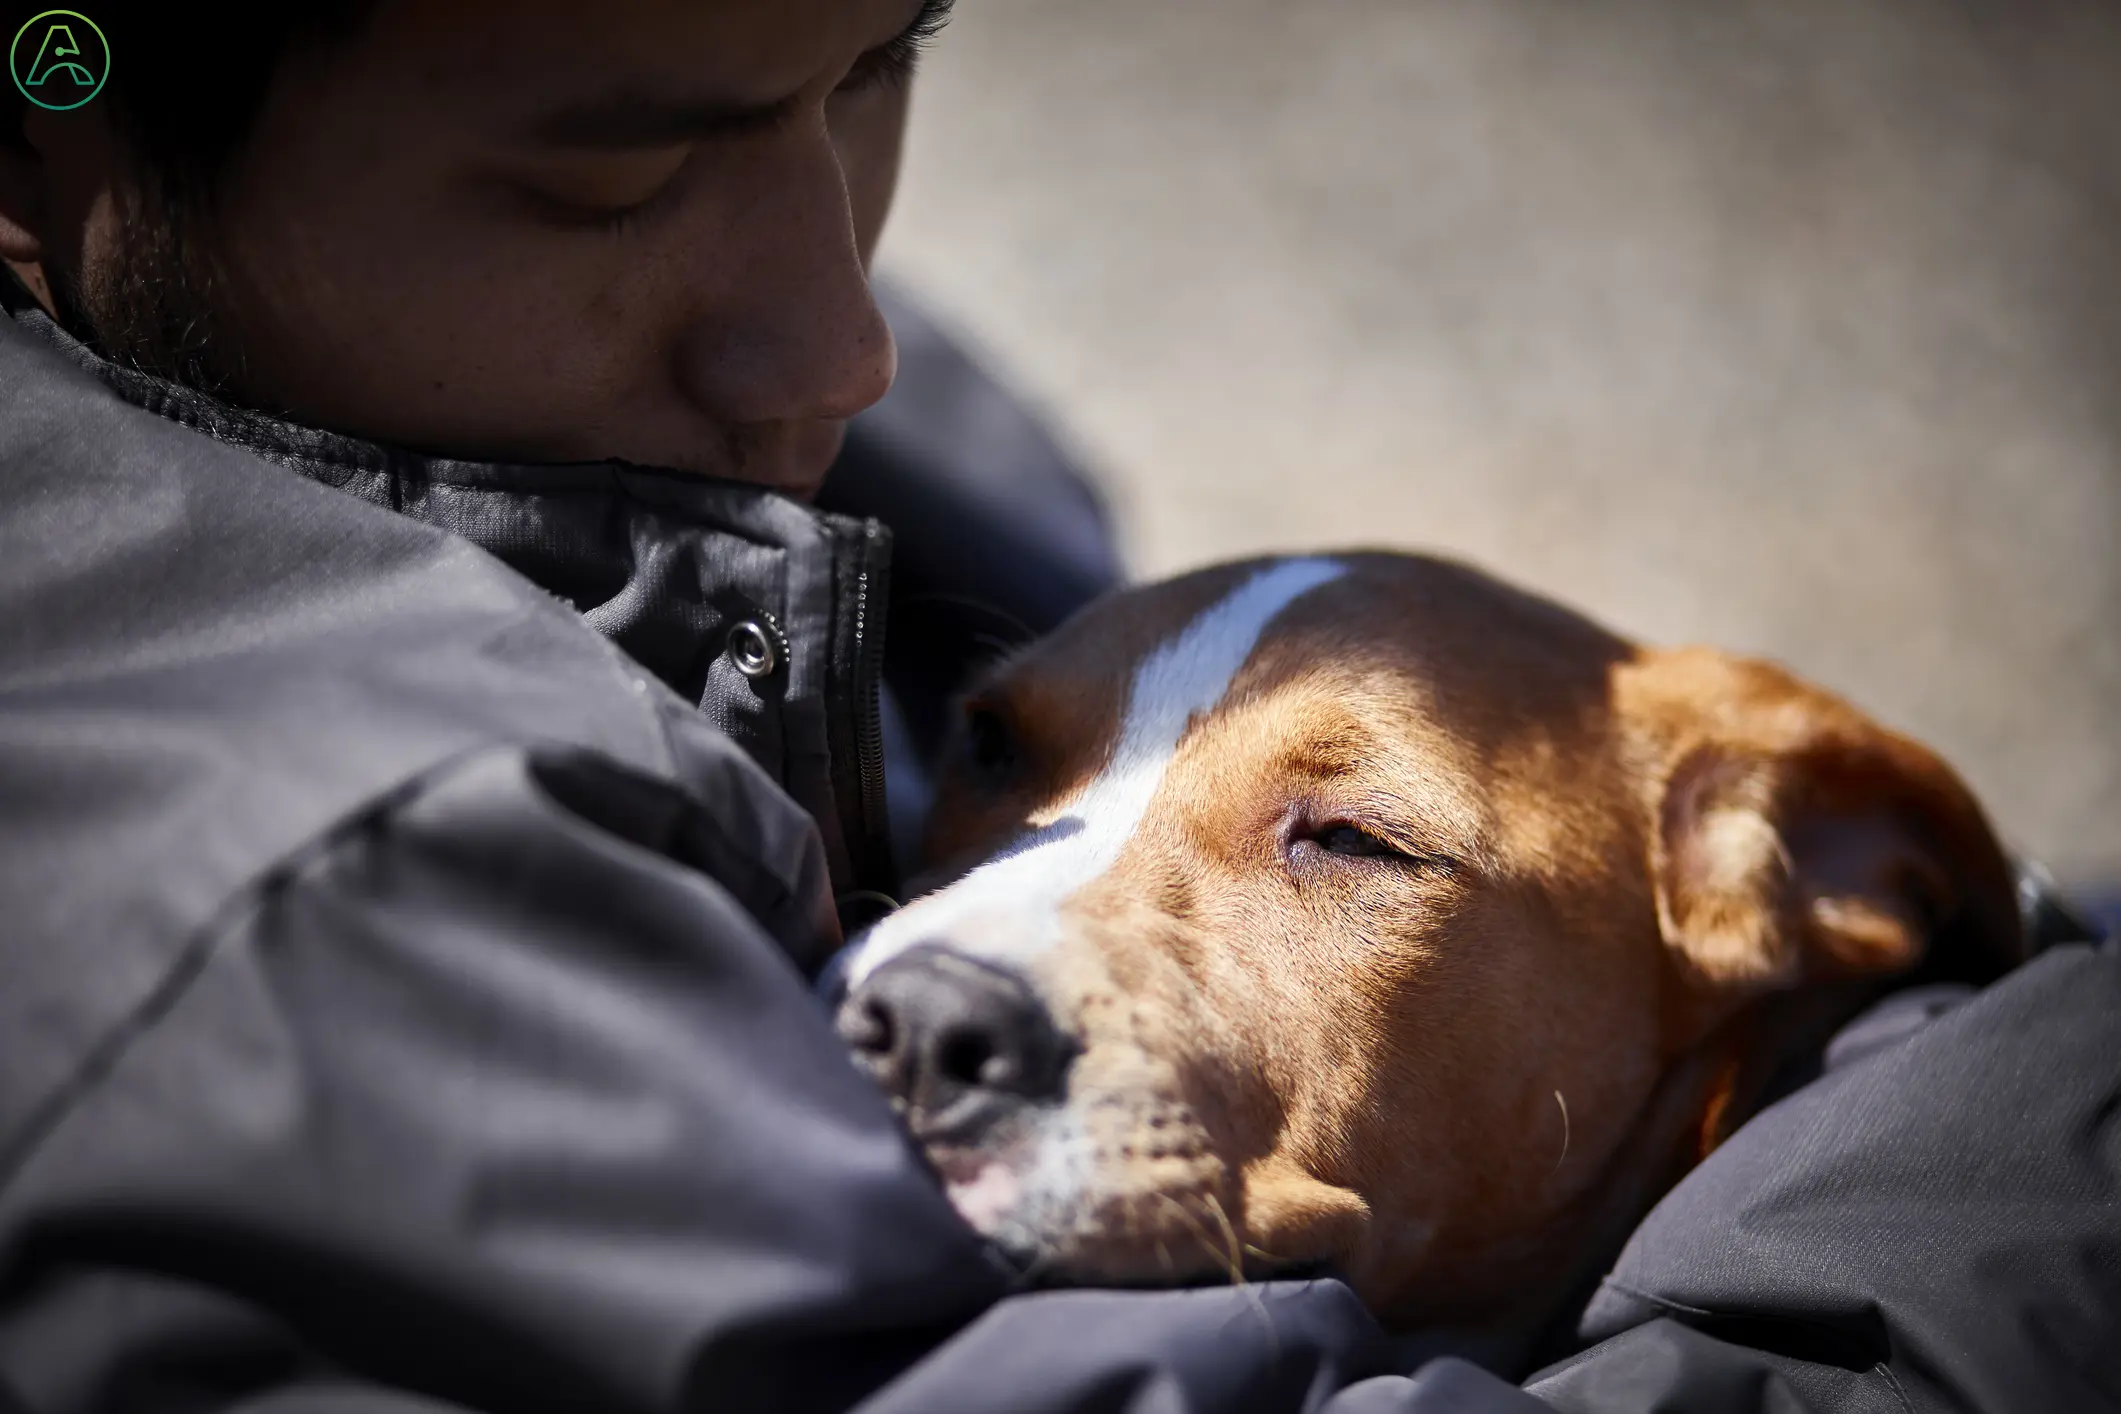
(800, 338)
(955, 1041)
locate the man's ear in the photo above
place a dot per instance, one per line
(1796, 840)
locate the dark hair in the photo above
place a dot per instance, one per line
(186, 81)
(185, 86)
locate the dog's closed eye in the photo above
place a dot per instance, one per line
(1344, 840)
(1354, 842)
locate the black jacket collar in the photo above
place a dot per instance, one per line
(666, 565)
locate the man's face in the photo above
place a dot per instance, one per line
(548, 231)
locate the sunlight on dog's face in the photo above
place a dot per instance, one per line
(1349, 913)
(1312, 983)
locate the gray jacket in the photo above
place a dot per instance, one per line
(409, 876)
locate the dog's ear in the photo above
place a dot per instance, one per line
(1793, 839)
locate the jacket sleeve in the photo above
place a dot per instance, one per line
(497, 1095)
(1281, 1346)
(502, 1098)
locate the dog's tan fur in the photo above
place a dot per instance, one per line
(1649, 873)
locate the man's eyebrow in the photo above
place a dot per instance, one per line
(629, 118)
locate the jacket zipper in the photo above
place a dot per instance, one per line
(873, 867)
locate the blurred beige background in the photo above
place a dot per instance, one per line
(1790, 325)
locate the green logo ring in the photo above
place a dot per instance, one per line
(14, 68)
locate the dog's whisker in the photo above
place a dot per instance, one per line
(1236, 1258)
(1200, 1233)
(1237, 1274)
(1562, 1101)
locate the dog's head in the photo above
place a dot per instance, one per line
(1358, 911)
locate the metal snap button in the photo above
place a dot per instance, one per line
(753, 649)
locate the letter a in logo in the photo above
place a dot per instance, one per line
(59, 52)
(59, 60)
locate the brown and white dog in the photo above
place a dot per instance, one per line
(1365, 912)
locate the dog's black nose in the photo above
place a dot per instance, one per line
(954, 1040)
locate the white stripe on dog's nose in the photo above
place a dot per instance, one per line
(1008, 908)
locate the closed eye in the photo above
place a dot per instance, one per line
(1352, 841)
(1344, 840)
(603, 189)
